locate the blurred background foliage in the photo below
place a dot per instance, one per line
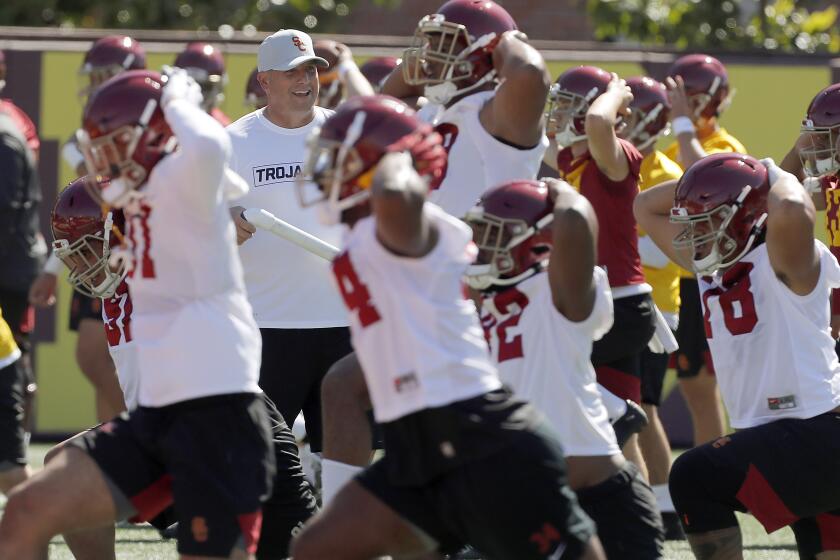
(224, 16)
(776, 25)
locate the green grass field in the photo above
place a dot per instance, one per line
(143, 543)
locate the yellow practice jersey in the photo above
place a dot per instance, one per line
(658, 168)
(9, 351)
(717, 142)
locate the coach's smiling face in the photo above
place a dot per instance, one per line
(292, 91)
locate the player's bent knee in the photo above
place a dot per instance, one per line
(53, 453)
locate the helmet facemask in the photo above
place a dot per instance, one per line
(636, 132)
(112, 155)
(89, 259)
(91, 77)
(566, 112)
(712, 229)
(496, 238)
(329, 167)
(439, 58)
(212, 87)
(820, 157)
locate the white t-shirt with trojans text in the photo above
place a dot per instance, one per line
(288, 287)
(192, 326)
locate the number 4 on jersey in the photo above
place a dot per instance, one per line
(355, 293)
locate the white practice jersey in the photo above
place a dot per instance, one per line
(116, 317)
(416, 335)
(544, 358)
(193, 328)
(773, 351)
(477, 161)
(288, 287)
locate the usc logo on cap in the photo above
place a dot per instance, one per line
(299, 43)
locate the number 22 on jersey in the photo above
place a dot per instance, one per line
(737, 303)
(512, 303)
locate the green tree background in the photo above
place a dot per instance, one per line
(783, 25)
(222, 15)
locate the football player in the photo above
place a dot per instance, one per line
(746, 228)
(13, 466)
(106, 58)
(647, 122)
(493, 133)
(205, 64)
(587, 107)
(814, 157)
(200, 420)
(454, 436)
(486, 88)
(698, 86)
(342, 79)
(543, 303)
(85, 240)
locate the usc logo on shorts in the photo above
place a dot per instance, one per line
(299, 43)
(199, 529)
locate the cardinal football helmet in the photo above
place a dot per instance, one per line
(254, 93)
(343, 155)
(377, 70)
(569, 99)
(451, 53)
(84, 238)
(822, 125)
(204, 63)
(512, 228)
(722, 202)
(108, 57)
(649, 112)
(124, 134)
(706, 83)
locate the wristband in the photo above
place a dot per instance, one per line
(682, 125)
(53, 265)
(345, 66)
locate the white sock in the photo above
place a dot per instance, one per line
(334, 475)
(616, 406)
(663, 497)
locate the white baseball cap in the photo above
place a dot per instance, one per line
(287, 49)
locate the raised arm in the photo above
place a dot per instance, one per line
(515, 114)
(398, 194)
(350, 75)
(395, 86)
(681, 123)
(652, 209)
(600, 124)
(575, 240)
(203, 144)
(790, 231)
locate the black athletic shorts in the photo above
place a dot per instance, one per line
(294, 361)
(617, 357)
(624, 509)
(784, 473)
(506, 497)
(693, 352)
(654, 368)
(292, 501)
(12, 433)
(20, 316)
(83, 307)
(211, 456)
